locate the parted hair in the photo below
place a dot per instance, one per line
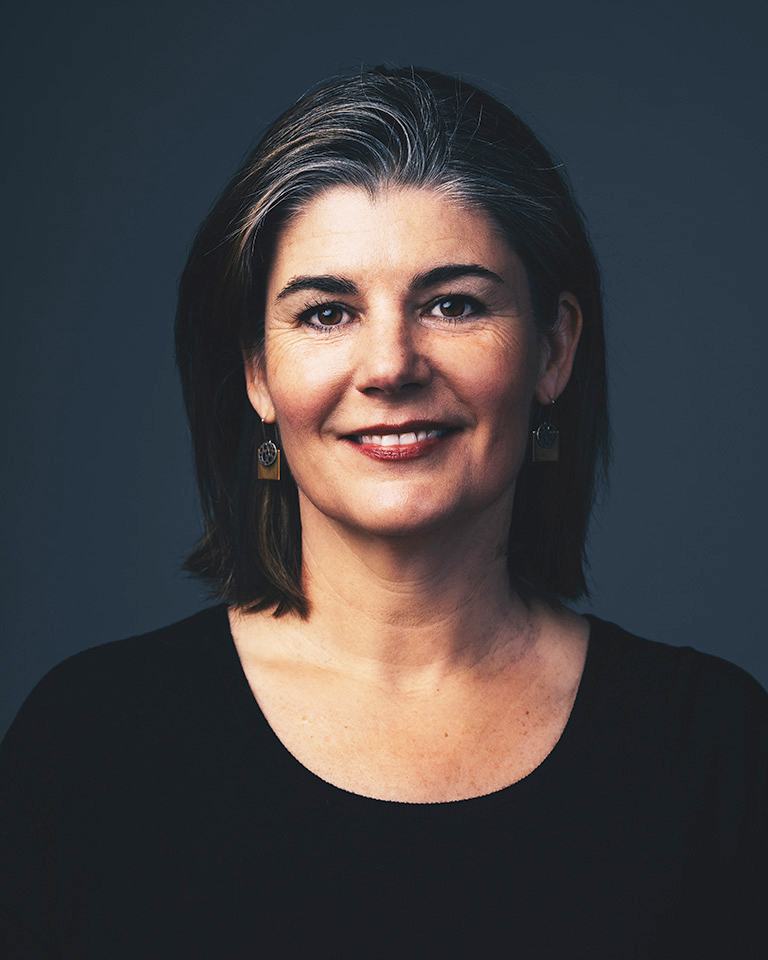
(380, 128)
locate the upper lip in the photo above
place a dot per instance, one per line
(409, 426)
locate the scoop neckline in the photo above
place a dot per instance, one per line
(271, 749)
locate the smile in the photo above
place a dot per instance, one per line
(406, 442)
(398, 439)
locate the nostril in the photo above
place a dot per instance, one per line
(392, 370)
(399, 388)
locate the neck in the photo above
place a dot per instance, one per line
(410, 607)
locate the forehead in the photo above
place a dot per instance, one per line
(399, 230)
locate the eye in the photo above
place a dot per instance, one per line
(324, 316)
(329, 316)
(454, 308)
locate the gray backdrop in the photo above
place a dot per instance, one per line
(125, 119)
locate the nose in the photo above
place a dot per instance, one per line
(390, 355)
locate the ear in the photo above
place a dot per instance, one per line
(558, 349)
(256, 385)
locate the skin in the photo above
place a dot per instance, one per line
(418, 675)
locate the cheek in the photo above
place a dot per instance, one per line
(507, 409)
(500, 381)
(502, 391)
(304, 386)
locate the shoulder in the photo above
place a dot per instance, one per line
(123, 681)
(701, 697)
(144, 659)
(670, 664)
(686, 733)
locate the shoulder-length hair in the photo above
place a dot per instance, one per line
(405, 127)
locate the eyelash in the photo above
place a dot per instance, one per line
(304, 317)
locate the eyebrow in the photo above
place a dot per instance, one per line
(340, 286)
(453, 271)
(325, 284)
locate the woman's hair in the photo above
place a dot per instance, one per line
(406, 127)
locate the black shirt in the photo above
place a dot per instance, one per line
(148, 810)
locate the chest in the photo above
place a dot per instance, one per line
(443, 745)
(591, 868)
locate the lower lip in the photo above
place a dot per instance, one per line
(408, 451)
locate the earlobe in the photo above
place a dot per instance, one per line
(561, 344)
(258, 391)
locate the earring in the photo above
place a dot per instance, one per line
(269, 458)
(545, 441)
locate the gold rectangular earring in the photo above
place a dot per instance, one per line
(269, 471)
(269, 459)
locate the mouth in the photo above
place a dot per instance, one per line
(404, 439)
(400, 442)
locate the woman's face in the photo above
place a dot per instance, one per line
(401, 360)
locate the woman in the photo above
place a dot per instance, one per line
(392, 738)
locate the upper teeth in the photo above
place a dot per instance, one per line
(399, 439)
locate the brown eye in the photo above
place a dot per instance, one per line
(453, 306)
(325, 316)
(330, 316)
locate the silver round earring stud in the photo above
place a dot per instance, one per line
(267, 453)
(546, 435)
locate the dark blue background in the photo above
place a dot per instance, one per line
(123, 122)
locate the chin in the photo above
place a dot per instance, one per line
(398, 512)
(384, 524)
(417, 522)
(382, 518)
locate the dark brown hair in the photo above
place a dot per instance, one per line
(383, 127)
